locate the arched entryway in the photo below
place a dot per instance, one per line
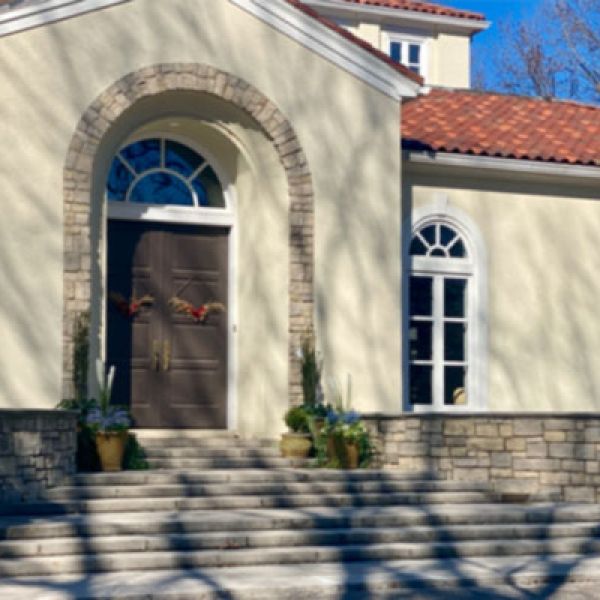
(81, 173)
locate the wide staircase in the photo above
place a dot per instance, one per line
(221, 517)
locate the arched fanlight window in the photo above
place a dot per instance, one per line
(438, 239)
(161, 171)
(441, 328)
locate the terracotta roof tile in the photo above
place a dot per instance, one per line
(356, 40)
(506, 126)
(424, 7)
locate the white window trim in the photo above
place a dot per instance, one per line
(439, 210)
(396, 36)
(215, 217)
(126, 210)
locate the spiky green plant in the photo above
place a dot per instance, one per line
(312, 366)
(105, 383)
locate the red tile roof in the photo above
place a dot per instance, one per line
(506, 126)
(356, 40)
(424, 7)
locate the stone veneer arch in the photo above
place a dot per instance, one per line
(78, 172)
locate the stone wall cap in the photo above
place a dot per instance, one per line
(36, 412)
(479, 415)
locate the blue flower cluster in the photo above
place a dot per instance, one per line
(343, 418)
(115, 419)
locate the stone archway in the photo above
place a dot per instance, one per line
(78, 172)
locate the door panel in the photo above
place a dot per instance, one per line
(171, 370)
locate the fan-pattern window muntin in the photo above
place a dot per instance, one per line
(438, 239)
(439, 317)
(161, 171)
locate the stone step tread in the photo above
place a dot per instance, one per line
(256, 488)
(217, 442)
(212, 453)
(128, 561)
(165, 522)
(441, 579)
(185, 434)
(187, 476)
(216, 462)
(182, 503)
(227, 540)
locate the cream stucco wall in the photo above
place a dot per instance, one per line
(543, 285)
(450, 60)
(50, 75)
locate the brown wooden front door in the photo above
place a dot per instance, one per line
(170, 369)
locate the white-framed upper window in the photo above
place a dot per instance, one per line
(445, 341)
(408, 50)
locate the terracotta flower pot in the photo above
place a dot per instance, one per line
(344, 453)
(295, 445)
(111, 448)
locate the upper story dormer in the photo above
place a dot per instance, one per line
(431, 40)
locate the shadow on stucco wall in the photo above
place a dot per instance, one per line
(31, 307)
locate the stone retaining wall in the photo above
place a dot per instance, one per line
(37, 451)
(541, 455)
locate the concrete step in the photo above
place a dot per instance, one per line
(206, 442)
(498, 578)
(156, 522)
(214, 476)
(293, 538)
(254, 488)
(157, 452)
(251, 462)
(172, 559)
(248, 502)
(186, 434)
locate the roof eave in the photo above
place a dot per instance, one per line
(341, 9)
(584, 175)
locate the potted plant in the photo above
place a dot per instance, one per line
(110, 423)
(298, 441)
(344, 441)
(348, 441)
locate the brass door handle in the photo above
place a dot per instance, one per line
(155, 355)
(166, 355)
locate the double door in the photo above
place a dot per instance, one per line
(171, 363)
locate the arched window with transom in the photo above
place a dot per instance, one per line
(444, 371)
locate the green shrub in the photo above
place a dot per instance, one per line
(135, 457)
(296, 419)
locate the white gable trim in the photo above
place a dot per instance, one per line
(331, 45)
(48, 12)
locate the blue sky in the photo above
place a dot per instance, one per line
(493, 10)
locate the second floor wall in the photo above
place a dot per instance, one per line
(437, 47)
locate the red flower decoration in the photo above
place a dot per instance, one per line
(131, 308)
(198, 313)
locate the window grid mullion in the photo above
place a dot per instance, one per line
(438, 341)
